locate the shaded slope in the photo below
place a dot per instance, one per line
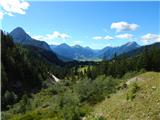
(20, 36)
(24, 69)
(48, 56)
(38, 47)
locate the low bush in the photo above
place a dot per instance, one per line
(132, 91)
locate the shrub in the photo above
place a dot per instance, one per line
(132, 92)
(69, 106)
(94, 91)
(8, 99)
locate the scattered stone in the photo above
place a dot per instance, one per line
(84, 118)
(153, 87)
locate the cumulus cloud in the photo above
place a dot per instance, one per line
(103, 38)
(149, 37)
(123, 26)
(53, 43)
(108, 38)
(1, 15)
(56, 34)
(125, 36)
(97, 38)
(10, 7)
(51, 36)
(40, 37)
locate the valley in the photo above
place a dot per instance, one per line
(36, 84)
(80, 60)
(85, 53)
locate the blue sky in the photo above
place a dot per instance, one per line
(93, 24)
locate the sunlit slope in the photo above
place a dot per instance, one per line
(145, 105)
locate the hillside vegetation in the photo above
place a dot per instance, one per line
(108, 89)
(145, 104)
(105, 98)
(24, 70)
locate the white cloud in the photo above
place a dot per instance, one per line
(97, 38)
(28, 32)
(1, 15)
(150, 38)
(103, 38)
(53, 43)
(124, 36)
(10, 7)
(108, 38)
(123, 26)
(56, 34)
(40, 37)
(51, 36)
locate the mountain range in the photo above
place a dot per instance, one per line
(78, 52)
(65, 52)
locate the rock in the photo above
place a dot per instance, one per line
(153, 87)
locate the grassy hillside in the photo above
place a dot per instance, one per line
(139, 101)
(135, 98)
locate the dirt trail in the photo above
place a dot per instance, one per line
(133, 80)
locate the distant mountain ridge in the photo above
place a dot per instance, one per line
(70, 53)
(78, 52)
(36, 46)
(140, 49)
(109, 52)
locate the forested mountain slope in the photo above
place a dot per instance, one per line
(24, 70)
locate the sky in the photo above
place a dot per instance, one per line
(94, 24)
